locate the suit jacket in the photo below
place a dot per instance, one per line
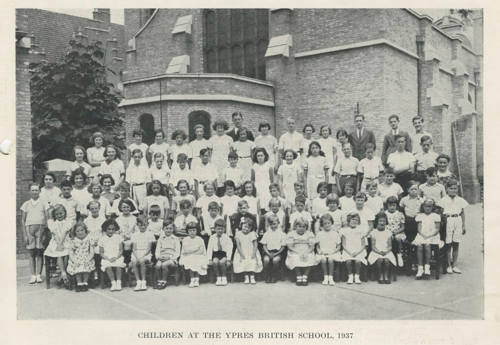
(358, 144)
(390, 144)
(232, 133)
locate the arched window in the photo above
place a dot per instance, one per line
(236, 41)
(147, 124)
(199, 117)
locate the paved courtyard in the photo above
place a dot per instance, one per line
(451, 297)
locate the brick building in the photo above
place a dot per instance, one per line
(44, 35)
(189, 66)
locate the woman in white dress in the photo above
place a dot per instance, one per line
(268, 142)
(199, 143)
(262, 176)
(244, 149)
(221, 145)
(160, 145)
(95, 154)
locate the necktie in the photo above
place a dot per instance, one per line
(359, 133)
(219, 245)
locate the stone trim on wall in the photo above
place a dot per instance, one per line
(364, 44)
(201, 75)
(194, 97)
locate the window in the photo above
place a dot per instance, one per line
(147, 124)
(236, 41)
(196, 118)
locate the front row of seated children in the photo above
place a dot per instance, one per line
(112, 245)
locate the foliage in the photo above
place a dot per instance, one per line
(70, 100)
(464, 13)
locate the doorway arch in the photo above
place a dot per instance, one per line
(147, 124)
(199, 117)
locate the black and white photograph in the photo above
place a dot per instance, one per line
(249, 164)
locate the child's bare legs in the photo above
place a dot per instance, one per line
(380, 269)
(427, 256)
(223, 267)
(79, 279)
(274, 271)
(110, 273)
(349, 264)
(455, 246)
(420, 255)
(331, 267)
(216, 267)
(386, 266)
(32, 260)
(61, 262)
(38, 261)
(118, 272)
(136, 264)
(324, 266)
(306, 273)
(159, 270)
(85, 278)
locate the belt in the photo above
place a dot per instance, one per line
(137, 184)
(245, 156)
(347, 175)
(451, 215)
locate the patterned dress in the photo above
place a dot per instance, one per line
(81, 255)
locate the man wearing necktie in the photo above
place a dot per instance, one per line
(360, 136)
(390, 141)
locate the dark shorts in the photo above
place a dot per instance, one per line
(127, 256)
(220, 254)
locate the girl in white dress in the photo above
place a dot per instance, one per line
(307, 132)
(353, 244)
(59, 227)
(49, 194)
(301, 257)
(221, 144)
(381, 253)
(428, 224)
(142, 241)
(316, 169)
(262, 175)
(329, 248)
(95, 154)
(194, 255)
(80, 192)
(244, 149)
(159, 146)
(199, 143)
(179, 147)
(113, 165)
(268, 142)
(318, 205)
(247, 258)
(250, 196)
(111, 250)
(289, 173)
(327, 144)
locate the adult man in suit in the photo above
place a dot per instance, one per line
(390, 140)
(238, 123)
(360, 136)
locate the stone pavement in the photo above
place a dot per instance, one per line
(451, 297)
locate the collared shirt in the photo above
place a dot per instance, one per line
(370, 168)
(274, 239)
(290, 141)
(177, 174)
(159, 200)
(162, 174)
(376, 203)
(181, 221)
(425, 160)
(225, 242)
(385, 191)
(142, 241)
(209, 223)
(160, 148)
(168, 245)
(401, 161)
(71, 206)
(411, 206)
(35, 212)
(138, 174)
(347, 166)
(434, 192)
(453, 205)
(115, 169)
(415, 141)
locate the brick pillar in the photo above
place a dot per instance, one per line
(24, 155)
(281, 71)
(102, 14)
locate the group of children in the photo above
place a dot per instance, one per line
(183, 205)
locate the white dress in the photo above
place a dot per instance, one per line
(244, 151)
(111, 246)
(327, 146)
(428, 227)
(161, 148)
(300, 253)
(289, 175)
(175, 150)
(382, 243)
(354, 242)
(248, 264)
(58, 230)
(328, 242)
(220, 150)
(315, 174)
(262, 182)
(95, 155)
(270, 144)
(195, 262)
